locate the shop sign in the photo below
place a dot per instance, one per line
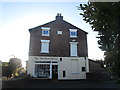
(46, 58)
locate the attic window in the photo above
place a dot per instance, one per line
(73, 33)
(45, 31)
(59, 32)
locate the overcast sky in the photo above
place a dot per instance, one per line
(18, 17)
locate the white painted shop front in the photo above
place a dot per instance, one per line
(61, 68)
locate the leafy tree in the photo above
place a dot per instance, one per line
(15, 64)
(6, 70)
(104, 18)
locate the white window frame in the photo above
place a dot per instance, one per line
(59, 32)
(73, 30)
(45, 29)
(44, 50)
(72, 52)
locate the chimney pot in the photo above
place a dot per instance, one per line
(57, 14)
(59, 17)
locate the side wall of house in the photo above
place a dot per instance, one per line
(59, 44)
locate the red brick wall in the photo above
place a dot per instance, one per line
(95, 67)
(59, 44)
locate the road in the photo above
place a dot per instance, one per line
(31, 83)
(71, 84)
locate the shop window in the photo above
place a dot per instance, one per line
(42, 71)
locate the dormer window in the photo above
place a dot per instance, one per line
(73, 33)
(45, 31)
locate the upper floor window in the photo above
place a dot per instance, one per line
(45, 46)
(73, 33)
(45, 31)
(59, 32)
(73, 49)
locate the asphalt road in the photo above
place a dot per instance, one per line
(71, 84)
(31, 83)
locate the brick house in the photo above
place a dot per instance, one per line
(58, 50)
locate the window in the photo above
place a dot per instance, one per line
(59, 32)
(45, 31)
(60, 59)
(64, 74)
(45, 46)
(83, 69)
(73, 33)
(42, 70)
(73, 48)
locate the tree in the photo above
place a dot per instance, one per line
(6, 70)
(15, 64)
(105, 19)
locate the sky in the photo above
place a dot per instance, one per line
(17, 17)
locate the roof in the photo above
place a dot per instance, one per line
(58, 18)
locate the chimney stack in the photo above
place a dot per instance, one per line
(59, 17)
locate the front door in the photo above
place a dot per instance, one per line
(54, 71)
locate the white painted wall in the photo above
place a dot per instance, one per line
(30, 66)
(64, 65)
(87, 65)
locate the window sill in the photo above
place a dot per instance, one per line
(73, 56)
(44, 52)
(46, 35)
(73, 36)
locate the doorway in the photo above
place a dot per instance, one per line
(54, 72)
